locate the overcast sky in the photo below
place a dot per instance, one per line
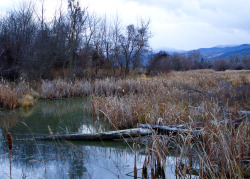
(179, 24)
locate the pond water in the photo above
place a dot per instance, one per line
(51, 159)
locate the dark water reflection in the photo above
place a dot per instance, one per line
(47, 159)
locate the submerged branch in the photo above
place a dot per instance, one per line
(111, 135)
(173, 129)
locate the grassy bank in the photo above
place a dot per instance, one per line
(175, 97)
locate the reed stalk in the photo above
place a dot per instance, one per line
(10, 144)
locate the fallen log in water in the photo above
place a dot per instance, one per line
(144, 130)
(111, 135)
(172, 129)
(191, 128)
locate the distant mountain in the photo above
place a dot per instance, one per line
(223, 46)
(169, 50)
(218, 52)
(224, 52)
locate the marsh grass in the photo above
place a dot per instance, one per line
(23, 94)
(16, 94)
(177, 89)
(59, 88)
(202, 96)
(179, 97)
(223, 152)
(8, 97)
(194, 97)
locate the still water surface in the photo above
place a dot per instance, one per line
(51, 159)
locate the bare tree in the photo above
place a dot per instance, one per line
(194, 57)
(178, 62)
(246, 61)
(77, 18)
(18, 31)
(142, 44)
(91, 32)
(221, 65)
(115, 56)
(160, 62)
(134, 42)
(106, 44)
(74, 39)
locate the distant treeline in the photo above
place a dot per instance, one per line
(77, 43)
(73, 41)
(164, 62)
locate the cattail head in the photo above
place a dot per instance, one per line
(9, 136)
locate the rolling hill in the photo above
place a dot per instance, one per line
(225, 52)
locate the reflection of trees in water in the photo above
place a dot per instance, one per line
(8, 121)
(61, 107)
(63, 116)
(59, 158)
(62, 158)
(78, 158)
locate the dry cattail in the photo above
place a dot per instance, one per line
(10, 143)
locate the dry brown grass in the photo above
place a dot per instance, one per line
(8, 97)
(185, 97)
(13, 95)
(59, 88)
(175, 98)
(223, 151)
(178, 97)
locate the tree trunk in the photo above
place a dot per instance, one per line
(111, 135)
(127, 68)
(175, 129)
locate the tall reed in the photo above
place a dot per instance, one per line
(194, 97)
(59, 88)
(178, 97)
(8, 97)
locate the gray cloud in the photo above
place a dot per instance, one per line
(219, 13)
(190, 24)
(181, 24)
